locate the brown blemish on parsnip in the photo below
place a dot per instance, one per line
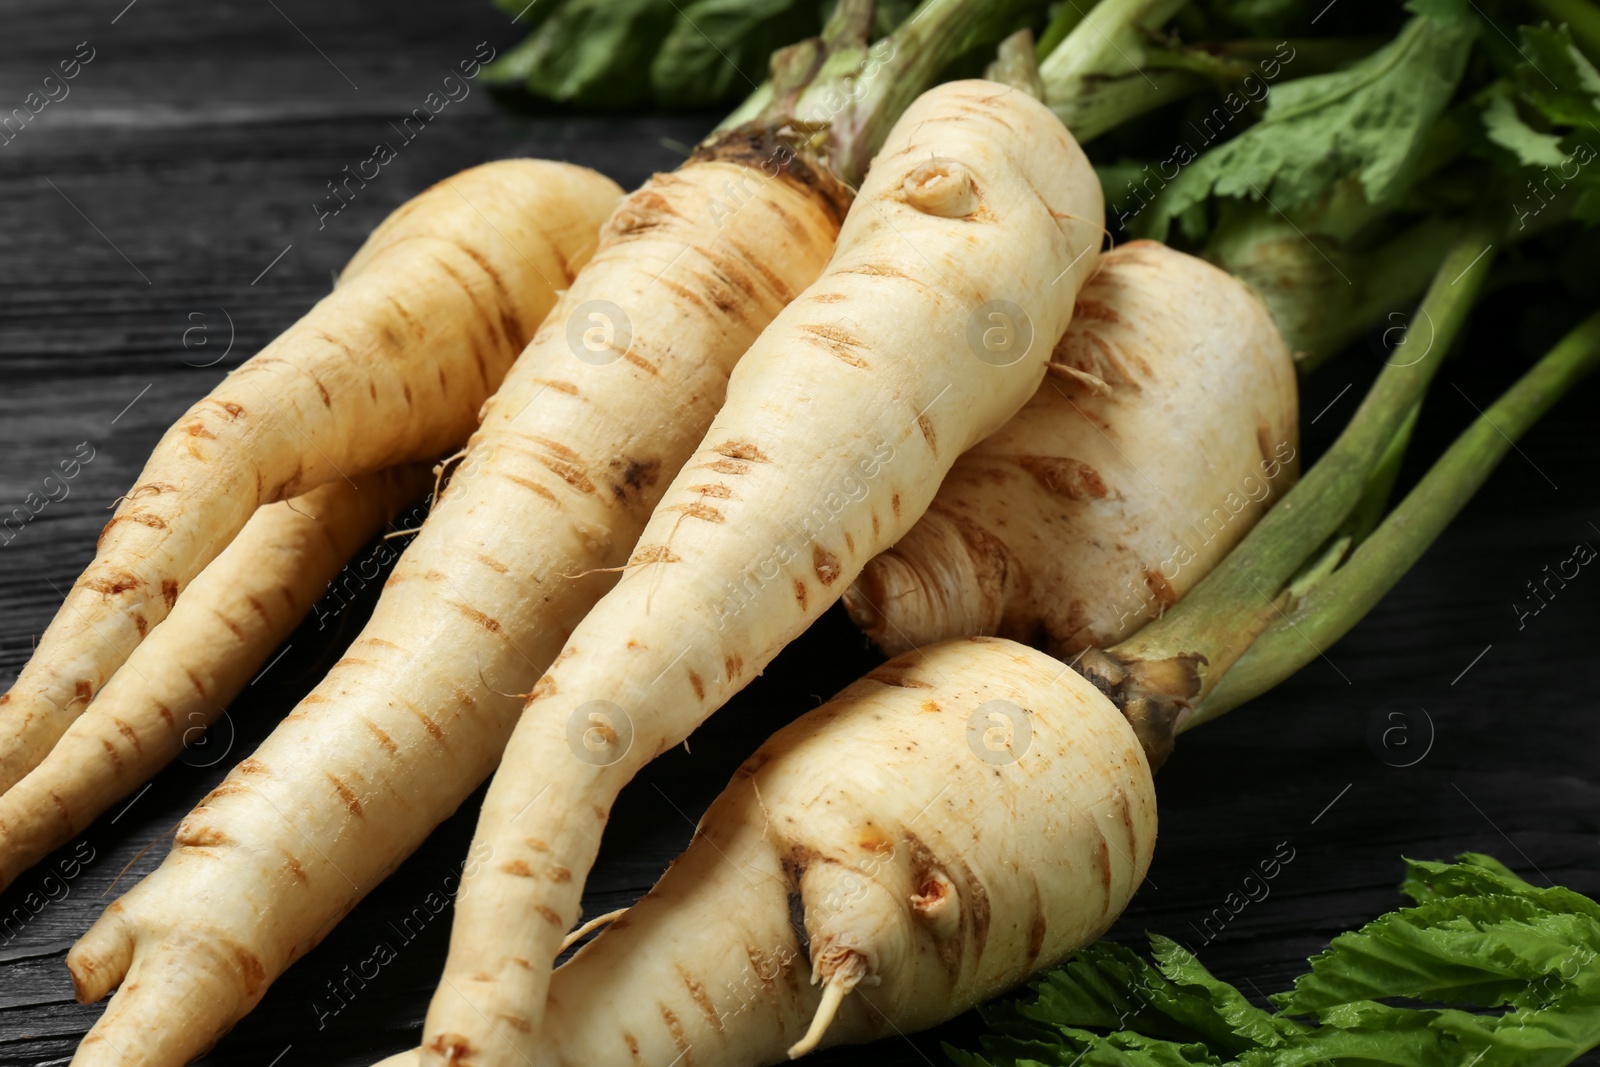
(351, 802)
(826, 565)
(1069, 477)
(740, 450)
(704, 512)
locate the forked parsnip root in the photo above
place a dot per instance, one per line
(600, 411)
(391, 366)
(1167, 427)
(958, 819)
(177, 682)
(955, 273)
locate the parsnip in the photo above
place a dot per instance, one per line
(1165, 431)
(176, 683)
(573, 453)
(391, 366)
(959, 818)
(839, 424)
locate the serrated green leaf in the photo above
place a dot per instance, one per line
(1506, 129)
(1479, 935)
(1480, 875)
(1368, 120)
(719, 48)
(1247, 1024)
(1464, 949)
(1426, 880)
(1259, 18)
(594, 52)
(1442, 10)
(1556, 78)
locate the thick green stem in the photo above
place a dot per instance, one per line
(1096, 78)
(1321, 295)
(838, 96)
(1016, 64)
(1063, 22)
(1331, 606)
(1369, 510)
(861, 97)
(1177, 660)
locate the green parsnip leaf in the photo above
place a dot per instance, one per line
(1556, 78)
(720, 48)
(594, 52)
(1507, 129)
(1368, 120)
(1478, 936)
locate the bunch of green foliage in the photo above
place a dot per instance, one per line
(1518, 968)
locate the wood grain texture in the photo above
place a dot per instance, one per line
(157, 198)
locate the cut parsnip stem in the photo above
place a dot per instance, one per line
(924, 335)
(176, 683)
(391, 366)
(1337, 600)
(1119, 484)
(1161, 672)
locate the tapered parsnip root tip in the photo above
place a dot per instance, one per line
(176, 999)
(101, 957)
(392, 366)
(176, 683)
(846, 974)
(1164, 430)
(590, 927)
(935, 867)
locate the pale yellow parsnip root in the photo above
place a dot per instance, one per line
(839, 424)
(391, 366)
(177, 682)
(559, 480)
(958, 819)
(1165, 430)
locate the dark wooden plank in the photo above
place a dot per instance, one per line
(194, 145)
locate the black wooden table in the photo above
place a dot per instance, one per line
(157, 227)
